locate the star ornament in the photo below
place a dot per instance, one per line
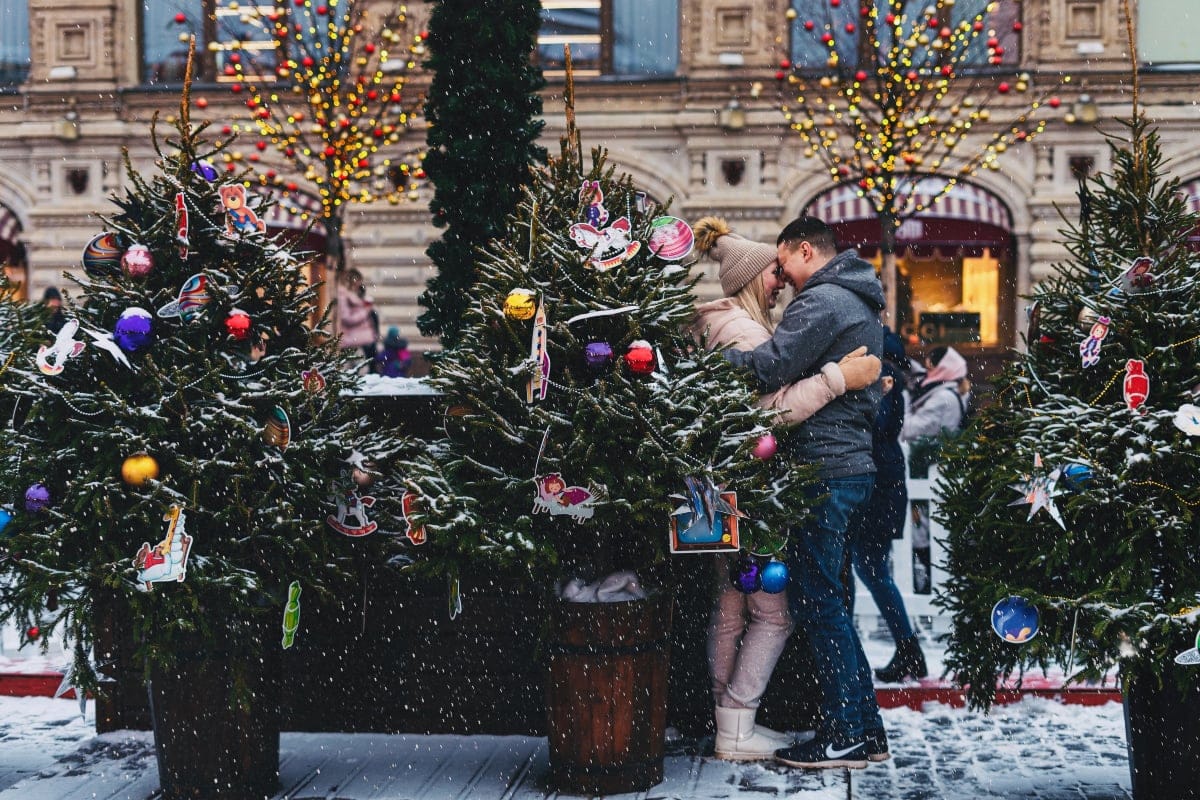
(1038, 491)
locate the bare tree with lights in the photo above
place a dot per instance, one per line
(335, 104)
(890, 93)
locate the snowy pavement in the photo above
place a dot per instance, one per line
(1036, 749)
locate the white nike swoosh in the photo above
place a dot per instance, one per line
(831, 753)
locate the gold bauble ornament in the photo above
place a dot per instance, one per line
(520, 305)
(139, 468)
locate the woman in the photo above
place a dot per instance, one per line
(751, 281)
(354, 314)
(940, 402)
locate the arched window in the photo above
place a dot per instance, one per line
(14, 42)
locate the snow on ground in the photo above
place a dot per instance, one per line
(1033, 749)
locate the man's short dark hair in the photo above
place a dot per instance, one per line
(811, 230)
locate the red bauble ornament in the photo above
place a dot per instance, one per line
(1003, 87)
(330, 152)
(785, 64)
(850, 27)
(289, 152)
(201, 102)
(292, 186)
(780, 75)
(998, 51)
(890, 19)
(826, 37)
(369, 47)
(993, 42)
(322, 10)
(33, 632)
(945, 33)
(639, 358)
(260, 144)
(251, 102)
(947, 70)
(1018, 27)
(181, 18)
(912, 76)
(307, 61)
(1054, 102)
(809, 25)
(237, 324)
(860, 76)
(835, 3)
(765, 447)
(226, 130)
(978, 26)
(235, 88)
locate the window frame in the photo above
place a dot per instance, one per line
(607, 40)
(211, 42)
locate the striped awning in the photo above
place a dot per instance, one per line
(1191, 190)
(10, 226)
(965, 201)
(294, 211)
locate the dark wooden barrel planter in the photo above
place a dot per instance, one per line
(606, 694)
(1162, 729)
(207, 746)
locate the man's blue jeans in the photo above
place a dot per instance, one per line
(816, 554)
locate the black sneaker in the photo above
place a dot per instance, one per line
(821, 753)
(876, 744)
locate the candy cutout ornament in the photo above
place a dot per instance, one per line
(278, 428)
(167, 560)
(413, 532)
(137, 261)
(1137, 385)
(51, 360)
(291, 615)
(1015, 619)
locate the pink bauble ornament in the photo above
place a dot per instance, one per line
(137, 261)
(766, 446)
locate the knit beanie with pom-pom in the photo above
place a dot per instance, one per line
(741, 259)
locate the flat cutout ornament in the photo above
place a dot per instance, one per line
(312, 380)
(291, 615)
(1039, 491)
(167, 560)
(595, 213)
(556, 498)
(51, 360)
(1015, 619)
(181, 226)
(105, 342)
(707, 520)
(1189, 658)
(278, 430)
(193, 297)
(1089, 348)
(671, 239)
(1136, 386)
(414, 533)
(102, 256)
(1187, 419)
(239, 217)
(609, 246)
(539, 381)
(1139, 277)
(350, 518)
(68, 684)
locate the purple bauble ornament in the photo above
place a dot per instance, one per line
(37, 497)
(134, 329)
(774, 577)
(746, 575)
(137, 261)
(205, 169)
(598, 355)
(765, 447)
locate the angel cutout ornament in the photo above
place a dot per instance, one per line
(167, 560)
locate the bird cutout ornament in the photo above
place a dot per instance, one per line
(1015, 619)
(1190, 658)
(312, 380)
(1187, 419)
(1089, 348)
(591, 194)
(193, 297)
(350, 518)
(278, 428)
(51, 360)
(181, 226)
(609, 246)
(707, 519)
(555, 497)
(1038, 491)
(671, 239)
(413, 532)
(239, 217)
(1136, 386)
(167, 560)
(291, 615)
(539, 354)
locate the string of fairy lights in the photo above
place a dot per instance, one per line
(911, 104)
(332, 105)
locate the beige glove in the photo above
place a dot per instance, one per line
(859, 369)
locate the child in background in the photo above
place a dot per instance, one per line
(394, 360)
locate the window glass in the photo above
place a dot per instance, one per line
(645, 37)
(14, 42)
(164, 55)
(577, 24)
(221, 27)
(616, 37)
(1167, 32)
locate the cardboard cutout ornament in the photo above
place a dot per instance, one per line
(1187, 419)
(181, 226)
(278, 429)
(707, 521)
(539, 380)
(51, 360)
(193, 297)
(1089, 348)
(595, 213)
(167, 560)
(350, 518)
(102, 256)
(671, 239)
(609, 246)
(291, 615)
(1137, 385)
(1138, 278)
(555, 497)
(1190, 658)
(414, 533)
(312, 380)
(239, 217)
(1039, 491)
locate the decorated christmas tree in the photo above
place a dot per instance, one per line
(183, 446)
(587, 433)
(1070, 503)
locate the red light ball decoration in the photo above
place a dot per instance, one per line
(1054, 102)
(639, 358)
(850, 28)
(181, 18)
(1003, 87)
(809, 24)
(860, 76)
(237, 324)
(780, 75)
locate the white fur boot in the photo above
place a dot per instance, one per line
(738, 739)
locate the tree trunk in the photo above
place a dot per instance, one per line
(888, 273)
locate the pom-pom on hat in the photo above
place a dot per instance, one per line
(741, 259)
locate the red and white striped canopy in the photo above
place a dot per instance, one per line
(10, 226)
(962, 200)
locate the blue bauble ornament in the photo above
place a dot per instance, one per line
(1077, 476)
(134, 329)
(1015, 620)
(774, 577)
(746, 575)
(5, 517)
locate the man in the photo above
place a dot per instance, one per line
(52, 299)
(835, 309)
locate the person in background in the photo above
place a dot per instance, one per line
(939, 403)
(747, 633)
(354, 314)
(52, 299)
(394, 359)
(882, 520)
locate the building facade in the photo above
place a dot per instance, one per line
(685, 96)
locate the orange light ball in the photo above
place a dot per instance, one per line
(139, 468)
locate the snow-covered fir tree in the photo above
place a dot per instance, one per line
(567, 451)
(1105, 398)
(184, 443)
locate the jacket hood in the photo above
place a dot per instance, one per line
(850, 272)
